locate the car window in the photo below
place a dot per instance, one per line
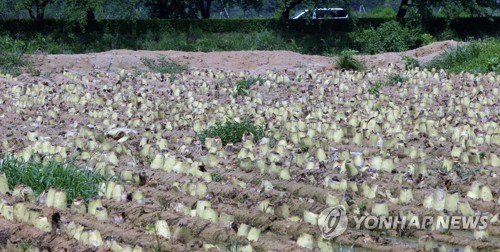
(332, 14)
(320, 14)
(299, 14)
(303, 15)
(340, 13)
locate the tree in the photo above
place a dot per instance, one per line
(289, 5)
(403, 7)
(35, 8)
(204, 7)
(125, 9)
(83, 10)
(450, 8)
(165, 9)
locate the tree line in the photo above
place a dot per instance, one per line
(82, 10)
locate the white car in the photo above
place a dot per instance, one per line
(322, 13)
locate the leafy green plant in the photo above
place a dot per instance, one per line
(462, 172)
(427, 39)
(41, 176)
(374, 88)
(23, 246)
(12, 59)
(474, 57)
(243, 85)
(232, 246)
(163, 65)
(389, 37)
(378, 12)
(347, 61)
(395, 79)
(232, 131)
(268, 40)
(392, 80)
(493, 64)
(363, 204)
(216, 176)
(410, 62)
(303, 147)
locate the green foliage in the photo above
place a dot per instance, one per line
(447, 34)
(452, 9)
(396, 79)
(389, 37)
(267, 41)
(41, 176)
(164, 66)
(410, 62)
(232, 131)
(79, 11)
(374, 88)
(216, 176)
(347, 61)
(12, 59)
(319, 38)
(303, 147)
(232, 246)
(427, 39)
(243, 85)
(493, 64)
(24, 246)
(35, 8)
(392, 80)
(380, 12)
(473, 57)
(462, 172)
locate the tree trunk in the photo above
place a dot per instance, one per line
(165, 9)
(39, 9)
(204, 6)
(162, 9)
(90, 14)
(403, 7)
(31, 13)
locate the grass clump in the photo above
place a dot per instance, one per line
(463, 173)
(473, 57)
(232, 246)
(347, 61)
(375, 87)
(216, 176)
(77, 182)
(163, 65)
(396, 79)
(410, 62)
(392, 80)
(242, 86)
(232, 131)
(12, 59)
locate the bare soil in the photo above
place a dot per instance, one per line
(255, 62)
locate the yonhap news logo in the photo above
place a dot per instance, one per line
(333, 222)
